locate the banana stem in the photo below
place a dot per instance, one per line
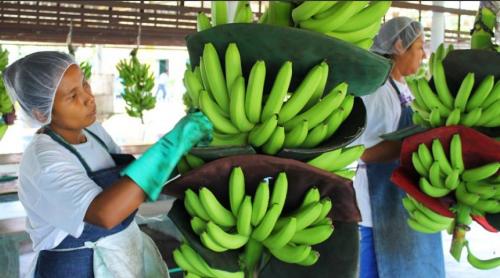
(251, 257)
(462, 221)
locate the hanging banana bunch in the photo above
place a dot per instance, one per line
(138, 83)
(6, 105)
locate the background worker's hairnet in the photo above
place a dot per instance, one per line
(33, 80)
(396, 36)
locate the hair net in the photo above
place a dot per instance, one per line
(396, 36)
(33, 81)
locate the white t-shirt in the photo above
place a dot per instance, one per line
(54, 187)
(383, 110)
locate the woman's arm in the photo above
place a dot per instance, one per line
(384, 151)
(114, 204)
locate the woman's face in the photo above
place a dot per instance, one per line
(74, 105)
(409, 62)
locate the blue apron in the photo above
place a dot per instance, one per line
(79, 263)
(399, 250)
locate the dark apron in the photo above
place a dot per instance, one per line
(400, 251)
(79, 263)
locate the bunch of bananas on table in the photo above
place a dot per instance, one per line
(356, 22)
(252, 224)
(472, 108)
(338, 161)
(236, 107)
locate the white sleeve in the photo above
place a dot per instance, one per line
(99, 130)
(65, 189)
(378, 110)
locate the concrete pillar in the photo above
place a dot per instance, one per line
(437, 29)
(231, 10)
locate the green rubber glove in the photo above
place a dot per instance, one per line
(155, 166)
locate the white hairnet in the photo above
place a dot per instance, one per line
(33, 81)
(396, 36)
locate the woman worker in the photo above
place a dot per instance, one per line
(79, 193)
(389, 248)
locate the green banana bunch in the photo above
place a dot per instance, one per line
(253, 227)
(189, 162)
(138, 84)
(482, 33)
(438, 56)
(423, 219)
(242, 113)
(356, 22)
(472, 108)
(202, 22)
(193, 263)
(243, 13)
(338, 161)
(6, 105)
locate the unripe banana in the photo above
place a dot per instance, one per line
(345, 173)
(280, 190)
(481, 264)
(198, 225)
(347, 106)
(215, 210)
(425, 156)
(321, 110)
(324, 221)
(313, 235)
(307, 9)
(326, 12)
(261, 133)
(419, 227)
(203, 74)
(244, 219)
(409, 205)
(481, 173)
(348, 156)
(213, 112)
(464, 91)
(431, 190)
(453, 179)
(243, 13)
(301, 96)
(481, 93)
(307, 215)
(441, 85)
(233, 65)
(489, 113)
(196, 260)
(435, 117)
(236, 189)
(440, 156)
(278, 92)
(191, 200)
(419, 167)
(344, 11)
(226, 240)
(252, 253)
(434, 216)
(466, 197)
(210, 243)
(485, 190)
(423, 112)
(334, 121)
(312, 196)
(435, 175)
(261, 201)
(324, 160)
(215, 76)
(275, 142)
(193, 86)
(417, 119)
(191, 275)
(219, 13)
(361, 34)
(194, 161)
(291, 254)
(315, 137)
(255, 89)
(454, 117)
(321, 86)
(202, 22)
(413, 85)
(297, 135)
(493, 123)
(226, 274)
(326, 206)
(365, 43)
(281, 237)
(239, 139)
(427, 222)
(266, 226)
(456, 153)
(472, 117)
(372, 13)
(493, 96)
(183, 263)
(489, 206)
(311, 259)
(430, 99)
(183, 167)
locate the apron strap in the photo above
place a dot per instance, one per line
(56, 137)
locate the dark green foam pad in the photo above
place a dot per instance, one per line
(213, 153)
(361, 69)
